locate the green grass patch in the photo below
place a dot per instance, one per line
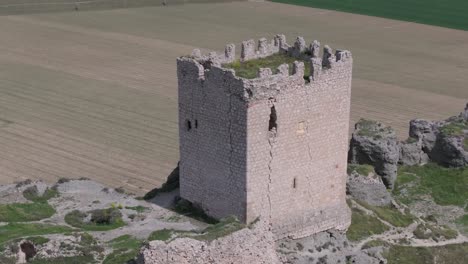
(449, 254)
(31, 193)
(455, 128)
(17, 230)
(371, 128)
(391, 215)
(375, 243)
(138, 209)
(7, 260)
(364, 225)
(447, 186)
(463, 223)
(362, 169)
(224, 227)
(448, 13)
(162, 235)
(427, 231)
(465, 143)
(24, 212)
(101, 219)
(249, 69)
(125, 248)
(38, 240)
(88, 259)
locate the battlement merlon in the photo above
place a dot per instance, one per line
(268, 81)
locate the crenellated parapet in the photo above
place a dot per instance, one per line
(271, 81)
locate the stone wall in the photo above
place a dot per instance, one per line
(273, 147)
(249, 245)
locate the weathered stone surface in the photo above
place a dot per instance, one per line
(374, 144)
(368, 188)
(274, 146)
(244, 246)
(449, 151)
(425, 132)
(411, 153)
(442, 141)
(330, 246)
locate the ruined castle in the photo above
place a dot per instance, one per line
(273, 147)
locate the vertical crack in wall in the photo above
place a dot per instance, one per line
(272, 131)
(271, 141)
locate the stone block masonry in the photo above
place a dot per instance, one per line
(273, 147)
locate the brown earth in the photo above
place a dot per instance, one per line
(93, 94)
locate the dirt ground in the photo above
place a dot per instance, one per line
(94, 94)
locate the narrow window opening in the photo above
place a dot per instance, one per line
(196, 123)
(294, 183)
(188, 125)
(273, 126)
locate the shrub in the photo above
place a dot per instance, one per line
(105, 216)
(23, 183)
(32, 194)
(63, 180)
(100, 219)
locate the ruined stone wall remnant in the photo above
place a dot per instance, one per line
(273, 147)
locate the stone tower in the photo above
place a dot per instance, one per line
(273, 147)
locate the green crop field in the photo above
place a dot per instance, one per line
(444, 13)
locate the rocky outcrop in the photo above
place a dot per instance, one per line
(425, 133)
(368, 188)
(411, 153)
(247, 245)
(444, 142)
(450, 151)
(374, 144)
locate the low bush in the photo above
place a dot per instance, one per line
(100, 219)
(32, 194)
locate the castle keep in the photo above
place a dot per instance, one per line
(273, 147)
